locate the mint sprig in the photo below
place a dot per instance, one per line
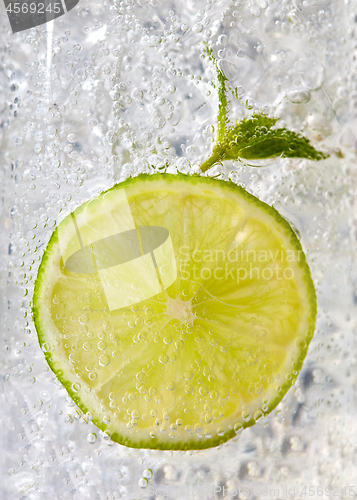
(253, 138)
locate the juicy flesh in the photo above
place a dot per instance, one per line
(196, 355)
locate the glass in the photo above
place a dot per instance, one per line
(110, 89)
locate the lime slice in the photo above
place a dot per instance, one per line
(176, 310)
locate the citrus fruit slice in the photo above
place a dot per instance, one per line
(176, 310)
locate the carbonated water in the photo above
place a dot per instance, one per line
(114, 88)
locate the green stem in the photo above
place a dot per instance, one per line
(222, 96)
(222, 113)
(216, 156)
(222, 108)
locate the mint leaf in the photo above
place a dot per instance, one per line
(254, 139)
(248, 130)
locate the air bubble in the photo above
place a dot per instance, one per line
(114, 95)
(214, 394)
(222, 40)
(83, 318)
(92, 438)
(238, 428)
(68, 419)
(246, 415)
(191, 150)
(71, 138)
(102, 345)
(255, 10)
(184, 165)
(141, 377)
(137, 94)
(258, 415)
(203, 390)
(143, 482)
(208, 418)
(51, 131)
(299, 96)
(300, 343)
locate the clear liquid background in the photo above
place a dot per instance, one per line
(103, 93)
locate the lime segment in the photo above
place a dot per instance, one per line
(175, 309)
